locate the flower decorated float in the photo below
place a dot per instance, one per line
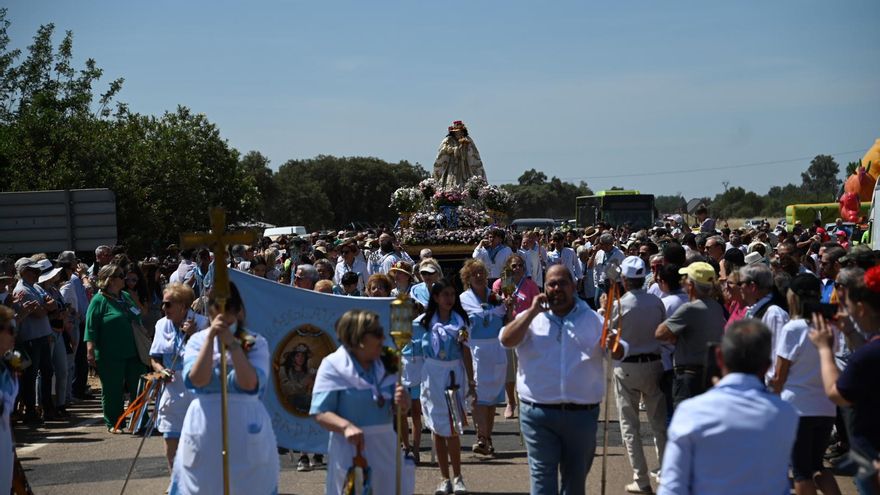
(449, 219)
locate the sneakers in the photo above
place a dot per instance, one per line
(458, 487)
(318, 461)
(444, 488)
(302, 465)
(481, 447)
(635, 488)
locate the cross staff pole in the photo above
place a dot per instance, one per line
(217, 240)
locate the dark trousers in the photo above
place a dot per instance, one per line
(39, 350)
(81, 366)
(666, 380)
(686, 384)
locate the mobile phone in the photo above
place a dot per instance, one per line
(828, 311)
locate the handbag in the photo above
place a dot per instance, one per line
(142, 341)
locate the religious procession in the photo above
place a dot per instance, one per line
(255, 249)
(743, 357)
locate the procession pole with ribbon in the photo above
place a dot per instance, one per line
(217, 240)
(401, 333)
(612, 275)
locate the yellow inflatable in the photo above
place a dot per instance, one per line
(873, 157)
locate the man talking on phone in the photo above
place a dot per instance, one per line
(561, 381)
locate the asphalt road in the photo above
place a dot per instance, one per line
(79, 457)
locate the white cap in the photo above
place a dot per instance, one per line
(633, 267)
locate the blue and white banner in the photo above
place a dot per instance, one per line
(300, 328)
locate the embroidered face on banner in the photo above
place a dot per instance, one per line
(295, 365)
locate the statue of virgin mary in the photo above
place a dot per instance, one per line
(458, 159)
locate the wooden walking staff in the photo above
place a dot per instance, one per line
(217, 240)
(612, 297)
(401, 332)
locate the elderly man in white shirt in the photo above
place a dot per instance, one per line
(561, 381)
(493, 253)
(535, 256)
(756, 284)
(639, 314)
(737, 437)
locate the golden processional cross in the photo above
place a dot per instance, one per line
(217, 240)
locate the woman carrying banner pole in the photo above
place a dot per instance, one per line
(253, 461)
(352, 398)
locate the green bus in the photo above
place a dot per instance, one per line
(616, 207)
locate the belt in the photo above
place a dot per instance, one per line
(688, 369)
(565, 406)
(642, 358)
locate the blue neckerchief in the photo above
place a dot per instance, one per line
(493, 252)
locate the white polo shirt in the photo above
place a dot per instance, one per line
(560, 359)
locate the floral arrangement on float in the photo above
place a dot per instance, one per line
(432, 215)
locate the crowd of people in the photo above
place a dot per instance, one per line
(751, 351)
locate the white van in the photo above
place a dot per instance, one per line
(275, 232)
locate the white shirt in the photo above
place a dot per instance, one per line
(567, 257)
(602, 261)
(358, 266)
(535, 258)
(560, 359)
(803, 387)
(494, 264)
(733, 439)
(775, 318)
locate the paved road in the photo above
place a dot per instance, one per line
(79, 457)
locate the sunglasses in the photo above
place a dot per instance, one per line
(166, 304)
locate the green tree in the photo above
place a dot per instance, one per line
(56, 133)
(535, 196)
(820, 179)
(330, 192)
(670, 204)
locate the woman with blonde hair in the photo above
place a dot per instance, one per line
(169, 343)
(110, 344)
(487, 313)
(348, 380)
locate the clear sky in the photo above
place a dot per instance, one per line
(579, 90)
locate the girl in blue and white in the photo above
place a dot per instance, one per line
(253, 458)
(445, 351)
(353, 398)
(486, 315)
(8, 391)
(169, 344)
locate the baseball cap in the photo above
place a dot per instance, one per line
(24, 263)
(633, 267)
(700, 271)
(753, 257)
(427, 268)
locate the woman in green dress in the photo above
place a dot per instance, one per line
(110, 344)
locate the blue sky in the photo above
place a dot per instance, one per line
(579, 90)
